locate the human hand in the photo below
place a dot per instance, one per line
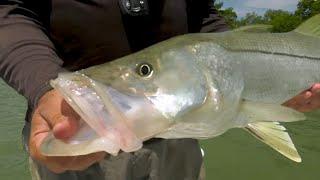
(54, 114)
(306, 101)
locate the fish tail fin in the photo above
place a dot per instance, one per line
(261, 119)
(311, 27)
(274, 135)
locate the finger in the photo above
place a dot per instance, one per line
(68, 127)
(61, 117)
(295, 101)
(313, 101)
(315, 88)
(39, 131)
(56, 111)
(307, 95)
(306, 101)
(65, 129)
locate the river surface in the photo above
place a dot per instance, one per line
(235, 155)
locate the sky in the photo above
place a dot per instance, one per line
(259, 6)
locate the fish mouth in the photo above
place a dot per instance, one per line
(119, 121)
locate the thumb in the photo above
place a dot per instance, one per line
(63, 120)
(65, 128)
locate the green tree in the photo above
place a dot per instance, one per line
(285, 22)
(271, 14)
(307, 8)
(251, 18)
(229, 14)
(281, 21)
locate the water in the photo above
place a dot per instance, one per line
(235, 155)
(13, 160)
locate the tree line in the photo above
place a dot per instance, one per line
(280, 20)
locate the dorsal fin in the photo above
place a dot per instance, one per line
(257, 28)
(311, 27)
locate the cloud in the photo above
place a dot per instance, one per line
(241, 11)
(259, 6)
(271, 4)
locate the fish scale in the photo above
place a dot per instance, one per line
(290, 44)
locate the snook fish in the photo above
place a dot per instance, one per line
(193, 86)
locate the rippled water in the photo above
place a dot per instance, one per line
(233, 156)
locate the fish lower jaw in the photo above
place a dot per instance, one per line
(120, 121)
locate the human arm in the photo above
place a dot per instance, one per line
(28, 61)
(213, 22)
(27, 57)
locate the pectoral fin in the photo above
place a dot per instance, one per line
(260, 117)
(274, 135)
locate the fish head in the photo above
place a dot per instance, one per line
(133, 98)
(167, 74)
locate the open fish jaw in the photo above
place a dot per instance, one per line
(110, 121)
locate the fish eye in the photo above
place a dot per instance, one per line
(145, 70)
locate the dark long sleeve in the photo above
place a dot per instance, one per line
(27, 56)
(213, 22)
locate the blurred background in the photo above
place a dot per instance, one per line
(283, 15)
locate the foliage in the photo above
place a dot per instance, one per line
(307, 8)
(270, 14)
(251, 18)
(229, 14)
(281, 21)
(285, 23)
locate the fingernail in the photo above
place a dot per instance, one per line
(58, 126)
(307, 95)
(60, 131)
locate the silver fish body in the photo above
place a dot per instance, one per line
(193, 86)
